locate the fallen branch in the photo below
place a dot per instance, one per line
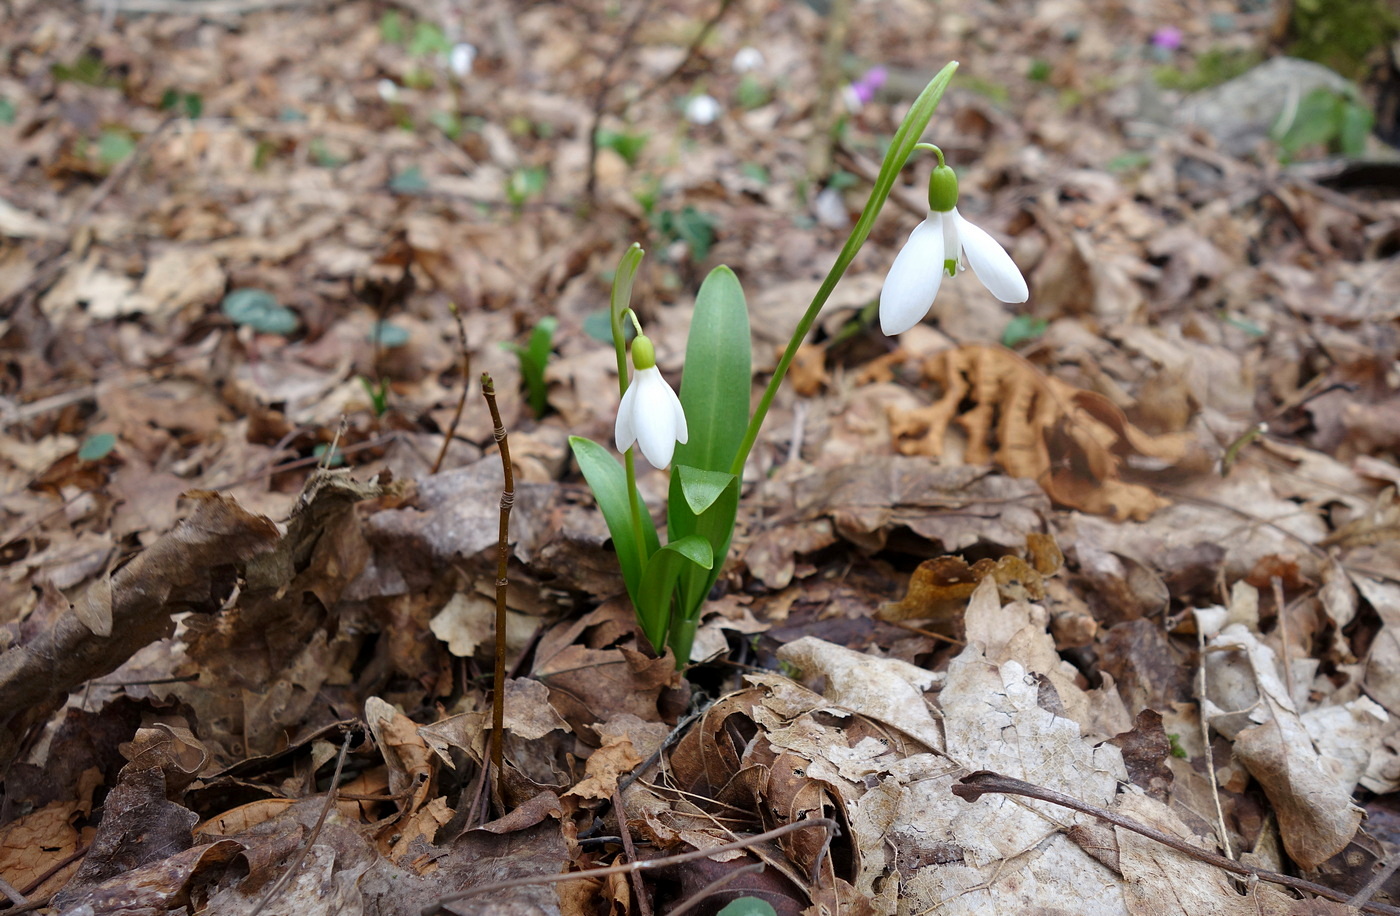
(983, 782)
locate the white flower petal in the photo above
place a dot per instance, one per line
(655, 419)
(991, 263)
(914, 278)
(625, 433)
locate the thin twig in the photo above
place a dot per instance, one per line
(695, 45)
(498, 701)
(646, 864)
(466, 383)
(600, 98)
(716, 886)
(975, 785)
(638, 887)
(315, 831)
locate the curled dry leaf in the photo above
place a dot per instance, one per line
(1074, 443)
(940, 587)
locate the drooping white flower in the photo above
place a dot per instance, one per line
(944, 243)
(703, 109)
(650, 413)
(747, 59)
(461, 58)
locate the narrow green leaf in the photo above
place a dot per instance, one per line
(701, 488)
(534, 359)
(608, 481)
(717, 381)
(619, 302)
(659, 583)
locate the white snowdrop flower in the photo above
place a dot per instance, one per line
(747, 59)
(703, 109)
(937, 246)
(650, 413)
(388, 90)
(461, 58)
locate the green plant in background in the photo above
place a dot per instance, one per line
(626, 144)
(189, 104)
(751, 93)
(534, 358)
(7, 111)
(707, 432)
(524, 184)
(688, 225)
(378, 394)
(259, 310)
(88, 69)
(1023, 329)
(1340, 122)
(1343, 34)
(1215, 66)
(113, 145)
(748, 906)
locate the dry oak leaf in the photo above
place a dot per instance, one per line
(616, 758)
(1073, 442)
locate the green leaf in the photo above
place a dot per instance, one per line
(1356, 123)
(97, 447)
(534, 358)
(7, 111)
(428, 39)
(598, 326)
(259, 310)
(409, 181)
(618, 304)
(388, 335)
(391, 28)
(701, 488)
(608, 481)
(114, 145)
(716, 525)
(748, 906)
(659, 584)
(718, 365)
(1023, 328)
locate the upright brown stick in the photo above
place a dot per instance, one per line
(498, 700)
(461, 401)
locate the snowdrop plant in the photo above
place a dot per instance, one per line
(944, 243)
(706, 433)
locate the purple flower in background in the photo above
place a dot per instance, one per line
(862, 91)
(1168, 38)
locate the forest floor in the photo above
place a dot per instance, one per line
(1135, 541)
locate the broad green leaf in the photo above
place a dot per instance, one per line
(659, 584)
(608, 481)
(701, 488)
(716, 384)
(97, 447)
(259, 310)
(748, 906)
